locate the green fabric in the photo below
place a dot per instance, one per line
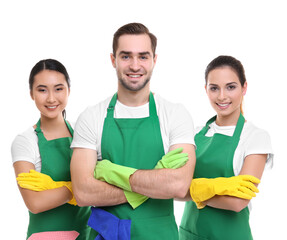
(137, 143)
(214, 158)
(56, 156)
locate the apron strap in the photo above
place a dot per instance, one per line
(239, 126)
(152, 106)
(69, 127)
(111, 108)
(204, 130)
(112, 104)
(38, 128)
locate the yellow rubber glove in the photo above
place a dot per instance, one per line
(242, 186)
(36, 181)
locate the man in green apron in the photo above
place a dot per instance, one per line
(134, 129)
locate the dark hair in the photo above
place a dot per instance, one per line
(134, 29)
(49, 64)
(227, 61)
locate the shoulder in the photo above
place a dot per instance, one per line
(252, 131)
(28, 136)
(25, 145)
(255, 140)
(96, 111)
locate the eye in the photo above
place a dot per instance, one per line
(42, 90)
(231, 87)
(213, 88)
(144, 57)
(124, 57)
(59, 89)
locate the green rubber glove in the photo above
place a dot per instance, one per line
(242, 186)
(173, 159)
(114, 174)
(135, 199)
(38, 182)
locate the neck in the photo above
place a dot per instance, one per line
(229, 120)
(52, 124)
(133, 98)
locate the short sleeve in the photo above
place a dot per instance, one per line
(259, 142)
(23, 149)
(85, 132)
(181, 126)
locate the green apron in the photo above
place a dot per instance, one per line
(214, 158)
(56, 156)
(137, 143)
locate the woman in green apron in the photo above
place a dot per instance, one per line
(41, 157)
(230, 153)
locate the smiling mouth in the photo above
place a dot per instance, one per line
(51, 107)
(134, 75)
(223, 105)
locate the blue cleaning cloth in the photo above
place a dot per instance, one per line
(109, 226)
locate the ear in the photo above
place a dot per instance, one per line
(31, 94)
(154, 59)
(244, 89)
(113, 60)
(205, 87)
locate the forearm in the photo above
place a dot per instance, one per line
(89, 191)
(228, 203)
(253, 165)
(38, 202)
(159, 183)
(165, 183)
(92, 192)
(42, 201)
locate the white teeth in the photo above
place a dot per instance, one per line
(134, 76)
(52, 107)
(223, 105)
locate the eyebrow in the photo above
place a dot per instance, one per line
(140, 53)
(213, 84)
(44, 86)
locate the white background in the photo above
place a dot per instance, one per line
(190, 34)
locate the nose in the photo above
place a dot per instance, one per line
(51, 97)
(222, 95)
(135, 65)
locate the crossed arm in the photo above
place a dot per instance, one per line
(162, 183)
(253, 165)
(38, 202)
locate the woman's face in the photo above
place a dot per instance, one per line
(50, 92)
(225, 93)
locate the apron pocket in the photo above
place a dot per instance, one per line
(187, 235)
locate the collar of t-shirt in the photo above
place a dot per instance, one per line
(123, 111)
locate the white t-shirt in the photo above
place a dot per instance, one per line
(253, 140)
(176, 124)
(25, 148)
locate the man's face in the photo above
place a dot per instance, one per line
(134, 61)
